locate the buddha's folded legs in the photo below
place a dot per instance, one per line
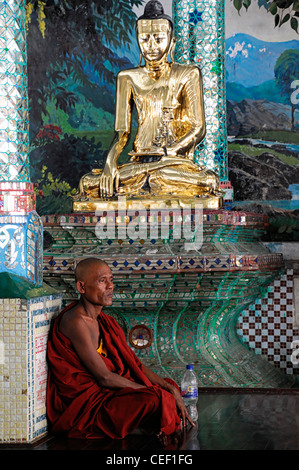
(183, 182)
(132, 186)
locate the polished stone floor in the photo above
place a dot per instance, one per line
(229, 419)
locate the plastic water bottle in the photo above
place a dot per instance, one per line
(189, 391)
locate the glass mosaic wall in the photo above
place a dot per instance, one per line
(14, 163)
(199, 29)
(24, 326)
(20, 226)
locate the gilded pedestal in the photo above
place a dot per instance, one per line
(98, 206)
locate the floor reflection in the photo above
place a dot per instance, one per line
(228, 420)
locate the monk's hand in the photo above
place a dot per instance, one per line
(109, 176)
(181, 407)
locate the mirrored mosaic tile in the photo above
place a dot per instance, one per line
(24, 326)
(199, 30)
(14, 161)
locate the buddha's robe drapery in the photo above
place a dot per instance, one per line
(78, 406)
(178, 88)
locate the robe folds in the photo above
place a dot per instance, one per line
(78, 406)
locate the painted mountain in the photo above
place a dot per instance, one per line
(250, 67)
(263, 126)
(254, 100)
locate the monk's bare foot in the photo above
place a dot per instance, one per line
(163, 438)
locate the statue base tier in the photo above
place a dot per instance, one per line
(146, 203)
(177, 298)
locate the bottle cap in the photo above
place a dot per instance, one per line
(189, 366)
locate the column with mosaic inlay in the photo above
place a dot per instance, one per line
(26, 305)
(20, 226)
(199, 31)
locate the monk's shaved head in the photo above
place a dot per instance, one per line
(86, 265)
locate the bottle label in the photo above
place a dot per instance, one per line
(191, 392)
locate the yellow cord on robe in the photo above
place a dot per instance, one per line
(101, 349)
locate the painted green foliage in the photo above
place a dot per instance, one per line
(283, 10)
(74, 52)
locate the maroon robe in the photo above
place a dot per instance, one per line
(79, 406)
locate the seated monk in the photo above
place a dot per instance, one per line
(97, 387)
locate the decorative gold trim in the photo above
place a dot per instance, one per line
(123, 203)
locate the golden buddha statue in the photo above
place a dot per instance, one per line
(171, 123)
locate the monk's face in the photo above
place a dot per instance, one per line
(154, 38)
(97, 285)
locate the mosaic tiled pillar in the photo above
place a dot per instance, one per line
(20, 228)
(14, 164)
(24, 325)
(199, 31)
(26, 306)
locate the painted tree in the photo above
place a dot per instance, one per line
(72, 45)
(284, 11)
(65, 38)
(286, 71)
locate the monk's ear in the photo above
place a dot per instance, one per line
(80, 287)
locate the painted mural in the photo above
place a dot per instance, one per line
(75, 49)
(262, 90)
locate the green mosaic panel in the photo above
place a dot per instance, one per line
(197, 328)
(14, 162)
(190, 300)
(199, 30)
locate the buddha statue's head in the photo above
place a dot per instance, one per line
(154, 31)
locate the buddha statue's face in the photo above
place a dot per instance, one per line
(154, 38)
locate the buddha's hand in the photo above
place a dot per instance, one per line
(109, 176)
